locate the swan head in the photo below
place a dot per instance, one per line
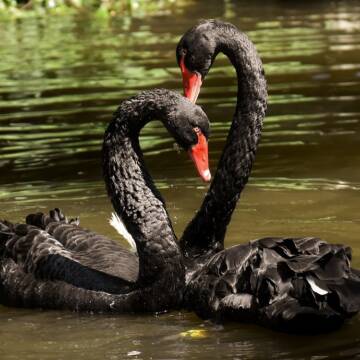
(189, 126)
(195, 54)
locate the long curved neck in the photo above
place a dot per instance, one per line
(133, 193)
(205, 233)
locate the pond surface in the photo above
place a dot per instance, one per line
(62, 77)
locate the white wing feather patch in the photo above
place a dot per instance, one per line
(119, 226)
(316, 288)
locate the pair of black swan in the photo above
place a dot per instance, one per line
(278, 282)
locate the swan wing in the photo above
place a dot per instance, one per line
(281, 282)
(95, 251)
(36, 252)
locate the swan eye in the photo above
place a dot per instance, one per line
(197, 130)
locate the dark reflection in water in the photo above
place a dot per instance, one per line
(60, 80)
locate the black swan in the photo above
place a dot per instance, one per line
(292, 284)
(51, 262)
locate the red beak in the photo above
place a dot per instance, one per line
(199, 153)
(200, 157)
(191, 82)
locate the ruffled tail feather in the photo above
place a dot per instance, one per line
(42, 220)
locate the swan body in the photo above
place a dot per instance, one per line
(284, 283)
(51, 262)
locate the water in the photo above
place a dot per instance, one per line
(60, 80)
